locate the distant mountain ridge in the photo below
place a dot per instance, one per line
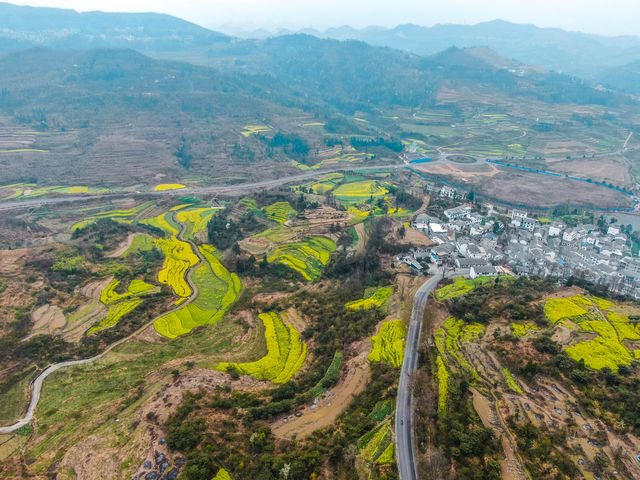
(575, 53)
(23, 27)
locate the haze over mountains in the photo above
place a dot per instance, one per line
(609, 60)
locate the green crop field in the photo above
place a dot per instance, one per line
(109, 295)
(375, 299)
(595, 315)
(522, 329)
(308, 257)
(117, 215)
(217, 291)
(164, 222)
(376, 445)
(388, 345)
(443, 385)
(254, 130)
(178, 259)
(196, 220)
(286, 353)
(558, 309)
(116, 312)
(358, 192)
(141, 243)
(605, 350)
(168, 186)
(452, 334)
(511, 381)
(280, 212)
(222, 475)
(460, 286)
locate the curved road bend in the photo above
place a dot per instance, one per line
(184, 191)
(37, 383)
(405, 444)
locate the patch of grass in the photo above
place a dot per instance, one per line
(217, 291)
(286, 353)
(141, 243)
(331, 376)
(308, 257)
(86, 399)
(382, 410)
(375, 299)
(388, 345)
(14, 400)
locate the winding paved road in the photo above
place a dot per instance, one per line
(37, 202)
(37, 384)
(405, 444)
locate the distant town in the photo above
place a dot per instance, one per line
(482, 239)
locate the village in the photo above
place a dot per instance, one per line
(482, 239)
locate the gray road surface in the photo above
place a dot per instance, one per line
(37, 202)
(405, 444)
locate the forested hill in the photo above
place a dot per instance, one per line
(574, 53)
(23, 27)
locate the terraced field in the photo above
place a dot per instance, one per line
(254, 130)
(375, 299)
(164, 222)
(443, 385)
(460, 286)
(376, 445)
(125, 216)
(358, 192)
(179, 257)
(31, 190)
(308, 257)
(116, 312)
(286, 353)
(217, 291)
(280, 212)
(195, 220)
(615, 332)
(388, 345)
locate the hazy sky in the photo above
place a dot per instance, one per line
(609, 17)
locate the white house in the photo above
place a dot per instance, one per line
(554, 231)
(613, 230)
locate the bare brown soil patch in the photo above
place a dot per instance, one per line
(326, 409)
(608, 169)
(47, 319)
(124, 246)
(93, 289)
(465, 172)
(11, 261)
